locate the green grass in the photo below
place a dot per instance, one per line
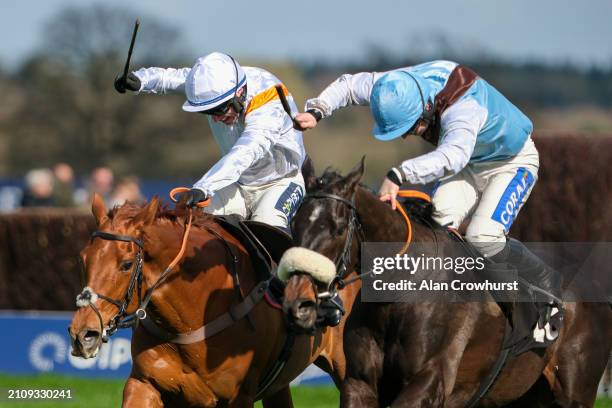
(107, 393)
(102, 393)
(604, 403)
(86, 392)
(313, 397)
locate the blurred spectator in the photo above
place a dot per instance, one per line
(39, 189)
(100, 182)
(127, 189)
(64, 185)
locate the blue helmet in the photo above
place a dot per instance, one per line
(397, 103)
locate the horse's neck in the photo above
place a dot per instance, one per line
(379, 221)
(201, 287)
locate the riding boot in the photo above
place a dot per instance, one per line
(542, 281)
(501, 272)
(330, 311)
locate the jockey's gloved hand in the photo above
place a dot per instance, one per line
(131, 83)
(307, 120)
(193, 197)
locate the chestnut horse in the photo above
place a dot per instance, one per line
(435, 354)
(131, 275)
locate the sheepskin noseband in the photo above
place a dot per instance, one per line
(320, 267)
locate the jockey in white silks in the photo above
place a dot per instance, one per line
(484, 163)
(259, 175)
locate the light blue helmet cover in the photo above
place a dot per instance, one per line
(396, 103)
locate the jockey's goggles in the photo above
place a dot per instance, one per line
(219, 110)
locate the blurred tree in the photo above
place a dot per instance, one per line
(82, 36)
(71, 111)
(61, 105)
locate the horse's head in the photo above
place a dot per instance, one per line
(326, 228)
(113, 261)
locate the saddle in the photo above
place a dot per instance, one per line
(266, 245)
(521, 317)
(519, 334)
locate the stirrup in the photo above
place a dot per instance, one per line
(545, 330)
(545, 312)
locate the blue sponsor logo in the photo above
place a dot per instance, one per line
(39, 343)
(511, 200)
(290, 200)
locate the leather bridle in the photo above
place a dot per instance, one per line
(354, 229)
(122, 319)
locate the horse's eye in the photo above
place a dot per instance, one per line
(126, 265)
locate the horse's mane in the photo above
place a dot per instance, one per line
(417, 209)
(175, 216)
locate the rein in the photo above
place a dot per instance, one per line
(400, 208)
(122, 319)
(339, 281)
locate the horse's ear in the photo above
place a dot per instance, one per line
(98, 209)
(149, 212)
(308, 172)
(353, 178)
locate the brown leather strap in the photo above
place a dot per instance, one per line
(459, 81)
(217, 325)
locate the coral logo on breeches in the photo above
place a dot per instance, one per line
(513, 197)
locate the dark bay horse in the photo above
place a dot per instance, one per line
(175, 361)
(435, 354)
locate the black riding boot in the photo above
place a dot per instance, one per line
(542, 281)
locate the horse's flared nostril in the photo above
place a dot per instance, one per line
(304, 310)
(88, 339)
(304, 313)
(301, 314)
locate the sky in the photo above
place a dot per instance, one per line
(558, 31)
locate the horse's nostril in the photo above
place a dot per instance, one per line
(306, 304)
(90, 338)
(92, 333)
(304, 309)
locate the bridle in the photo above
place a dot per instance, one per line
(354, 229)
(122, 319)
(342, 261)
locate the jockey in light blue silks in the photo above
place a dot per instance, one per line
(484, 164)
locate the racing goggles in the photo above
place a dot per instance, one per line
(219, 110)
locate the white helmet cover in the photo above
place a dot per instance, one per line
(212, 81)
